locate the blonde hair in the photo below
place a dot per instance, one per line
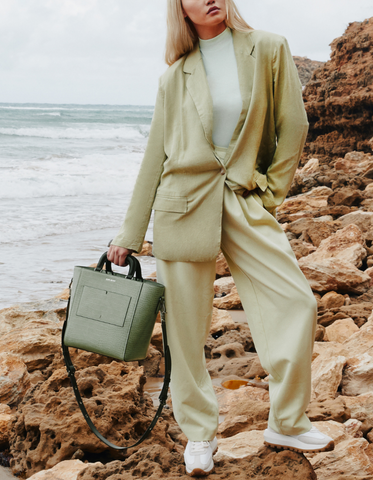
(182, 35)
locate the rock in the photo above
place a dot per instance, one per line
(334, 275)
(156, 462)
(245, 416)
(222, 269)
(346, 245)
(256, 370)
(240, 334)
(306, 202)
(320, 333)
(14, 378)
(146, 251)
(360, 406)
(363, 220)
(326, 376)
(239, 445)
(66, 470)
(5, 418)
(340, 330)
(353, 427)
(328, 318)
(338, 99)
(345, 196)
(152, 362)
(231, 301)
(230, 359)
(301, 249)
(349, 457)
(49, 427)
(328, 409)
(332, 300)
(35, 336)
(360, 342)
(354, 163)
(221, 321)
(306, 67)
(358, 375)
(358, 312)
(229, 399)
(156, 338)
(223, 285)
(369, 271)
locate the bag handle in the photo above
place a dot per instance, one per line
(162, 397)
(134, 264)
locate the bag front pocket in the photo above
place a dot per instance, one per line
(165, 203)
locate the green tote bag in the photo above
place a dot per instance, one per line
(114, 315)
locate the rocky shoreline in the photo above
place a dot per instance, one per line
(328, 219)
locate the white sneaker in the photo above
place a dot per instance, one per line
(198, 457)
(311, 441)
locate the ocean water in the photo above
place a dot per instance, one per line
(66, 174)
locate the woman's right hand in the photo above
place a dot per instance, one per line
(118, 255)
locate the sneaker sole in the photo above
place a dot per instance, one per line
(327, 448)
(198, 472)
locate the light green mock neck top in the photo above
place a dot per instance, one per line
(221, 69)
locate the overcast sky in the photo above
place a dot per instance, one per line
(111, 51)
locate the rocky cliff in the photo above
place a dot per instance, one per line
(339, 97)
(306, 67)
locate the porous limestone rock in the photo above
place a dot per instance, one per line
(231, 301)
(49, 427)
(223, 285)
(230, 359)
(35, 336)
(66, 470)
(156, 462)
(5, 418)
(14, 378)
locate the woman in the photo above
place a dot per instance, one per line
(228, 130)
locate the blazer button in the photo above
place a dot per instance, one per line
(222, 171)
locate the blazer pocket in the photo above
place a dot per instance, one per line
(166, 203)
(261, 180)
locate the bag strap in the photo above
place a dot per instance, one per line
(162, 397)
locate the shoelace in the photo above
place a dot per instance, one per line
(198, 447)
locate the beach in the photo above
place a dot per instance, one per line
(67, 174)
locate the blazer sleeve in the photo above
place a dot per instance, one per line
(132, 233)
(291, 125)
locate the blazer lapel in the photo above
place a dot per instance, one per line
(244, 50)
(199, 90)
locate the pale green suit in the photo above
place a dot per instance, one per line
(182, 179)
(196, 194)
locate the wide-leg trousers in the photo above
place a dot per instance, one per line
(281, 312)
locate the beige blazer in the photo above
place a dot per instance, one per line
(181, 177)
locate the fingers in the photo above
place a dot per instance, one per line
(118, 255)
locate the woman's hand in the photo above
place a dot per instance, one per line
(118, 255)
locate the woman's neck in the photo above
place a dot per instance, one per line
(205, 32)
